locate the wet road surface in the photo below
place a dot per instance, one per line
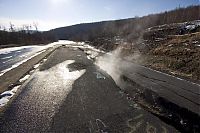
(70, 94)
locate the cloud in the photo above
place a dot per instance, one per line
(42, 24)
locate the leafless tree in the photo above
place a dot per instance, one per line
(11, 27)
(3, 28)
(27, 27)
(35, 25)
(30, 27)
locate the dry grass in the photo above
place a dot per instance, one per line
(177, 39)
(179, 55)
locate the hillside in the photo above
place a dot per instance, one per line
(173, 48)
(130, 29)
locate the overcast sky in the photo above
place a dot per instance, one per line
(56, 13)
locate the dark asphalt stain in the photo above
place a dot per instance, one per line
(76, 66)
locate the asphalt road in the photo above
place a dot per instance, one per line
(70, 94)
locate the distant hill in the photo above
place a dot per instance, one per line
(129, 29)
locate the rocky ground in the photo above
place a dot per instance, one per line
(175, 50)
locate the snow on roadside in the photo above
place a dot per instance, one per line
(64, 42)
(36, 66)
(14, 90)
(19, 63)
(86, 47)
(7, 57)
(7, 95)
(24, 78)
(38, 49)
(18, 49)
(35, 48)
(91, 51)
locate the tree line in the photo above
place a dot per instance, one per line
(27, 34)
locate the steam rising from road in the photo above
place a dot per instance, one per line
(129, 49)
(113, 63)
(110, 63)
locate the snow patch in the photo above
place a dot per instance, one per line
(7, 61)
(14, 90)
(8, 57)
(3, 101)
(65, 73)
(36, 66)
(23, 56)
(18, 49)
(19, 63)
(89, 57)
(190, 27)
(91, 54)
(7, 95)
(24, 78)
(64, 42)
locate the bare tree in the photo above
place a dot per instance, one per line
(11, 27)
(3, 28)
(35, 25)
(30, 27)
(27, 28)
